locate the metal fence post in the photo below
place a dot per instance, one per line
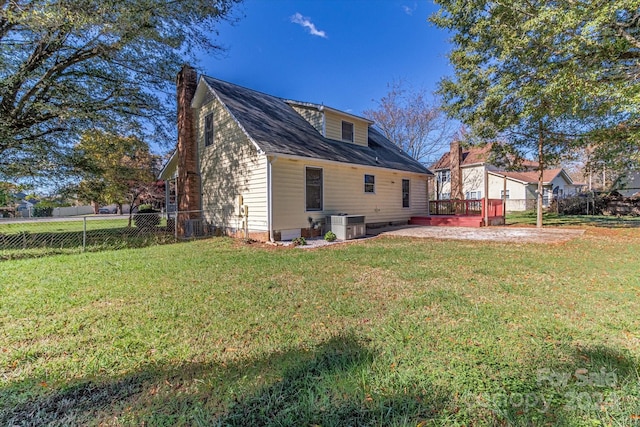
(84, 233)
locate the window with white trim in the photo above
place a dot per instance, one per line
(504, 195)
(369, 183)
(347, 131)
(405, 193)
(444, 176)
(313, 186)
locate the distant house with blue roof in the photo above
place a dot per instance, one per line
(248, 160)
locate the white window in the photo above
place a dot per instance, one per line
(208, 129)
(444, 176)
(473, 195)
(504, 195)
(347, 131)
(313, 185)
(445, 196)
(405, 193)
(369, 184)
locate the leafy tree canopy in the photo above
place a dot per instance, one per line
(71, 65)
(113, 169)
(545, 76)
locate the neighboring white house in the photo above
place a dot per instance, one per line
(460, 174)
(522, 187)
(286, 163)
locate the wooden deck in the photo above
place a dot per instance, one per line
(461, 213)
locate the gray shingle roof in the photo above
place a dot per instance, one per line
(278, 129)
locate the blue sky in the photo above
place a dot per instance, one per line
(339, 53)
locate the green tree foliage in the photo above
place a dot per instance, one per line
(71, 65)
(544, 76)
(4, 196)
(7, 189)
(114, 169)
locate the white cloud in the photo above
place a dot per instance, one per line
(409, 10)
(306, 23)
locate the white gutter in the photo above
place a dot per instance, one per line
(335, 162)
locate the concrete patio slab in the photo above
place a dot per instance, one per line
(493, 234)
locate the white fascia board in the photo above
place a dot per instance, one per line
(167, 165)
(566, 177)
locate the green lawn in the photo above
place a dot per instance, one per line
(388, 331)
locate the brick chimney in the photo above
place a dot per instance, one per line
(188, 174)
(455, 158)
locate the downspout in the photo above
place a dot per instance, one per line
(270, 160)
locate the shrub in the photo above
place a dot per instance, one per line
(146, 218)
(299, 241)
(42, 211)
(330, 236)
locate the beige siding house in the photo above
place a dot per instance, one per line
(278, 168)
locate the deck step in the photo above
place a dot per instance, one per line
(447, 220)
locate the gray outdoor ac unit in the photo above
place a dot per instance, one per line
(347, 227)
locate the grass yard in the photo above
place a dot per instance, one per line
(389, 331)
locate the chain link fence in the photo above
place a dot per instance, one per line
(36, 237)
(26, 238)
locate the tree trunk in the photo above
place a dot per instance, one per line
(96, 207)
(132, 203)
(540, 176)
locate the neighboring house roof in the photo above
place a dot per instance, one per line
(474, 156)
(470, 156)
(628, 185)
(548, 175)
(277, 129)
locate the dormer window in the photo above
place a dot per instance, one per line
(347, 131)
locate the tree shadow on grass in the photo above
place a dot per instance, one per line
(597, 383)
(328, 385)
